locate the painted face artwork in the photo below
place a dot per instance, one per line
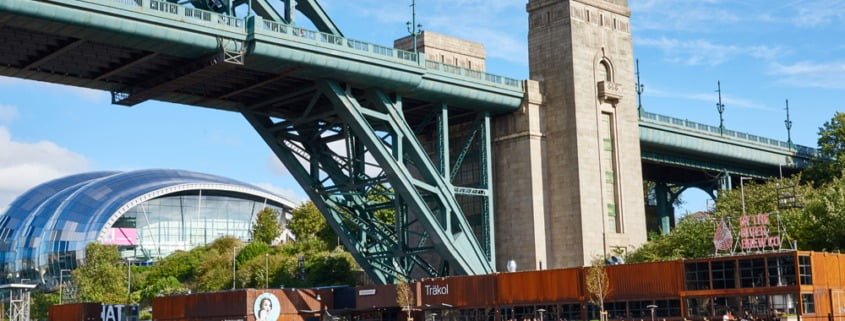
(266, 307)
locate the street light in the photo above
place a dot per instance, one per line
(650, 307)
(129, 279)
(266, 270)
(543, 311)
(62, 284)
(234, 266)
(742, 192)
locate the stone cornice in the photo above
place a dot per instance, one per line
(601, 4)
(604, 5)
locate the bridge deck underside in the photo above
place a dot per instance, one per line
(285, 97)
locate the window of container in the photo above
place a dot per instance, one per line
(616, 310)
(808, 304)
(725, 303)
(668, 308)
(783, 303)
(805, 270)
(755, 305)
(699, 307)
(697, 276)
(781, 270)
(570, 312)
(752, 273)
(639, 309)
(724, 274)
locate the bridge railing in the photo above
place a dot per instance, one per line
(182, 12)
(188, 12)
(713, 130)
(475, 74)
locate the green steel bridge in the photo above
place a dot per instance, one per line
(363, 128)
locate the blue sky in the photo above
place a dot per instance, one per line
(762, 51)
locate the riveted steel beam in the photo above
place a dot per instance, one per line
(428, 196)
(127, 66)
(53, 54)
(174, 79)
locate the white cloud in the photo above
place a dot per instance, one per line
(819, 13)
(728, 100)
(275, 166)
(24, 165)
(498, 24)
(8, 113)
(7, 80)
(89, 95)
(828, 75)
(703, 52)
(294, 196)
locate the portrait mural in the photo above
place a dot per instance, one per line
(266, 307)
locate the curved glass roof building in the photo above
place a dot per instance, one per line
(147, 213)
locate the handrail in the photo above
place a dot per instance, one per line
(713, 130)
(407, 57)
(474, 74)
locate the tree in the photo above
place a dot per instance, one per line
(308, 222)
(266, 227)
(163, 286)
(102, 278)
(598, 284)
(820, 225)
(404, 295)
(330, 268)
(830, 162)
(691, 238)
(41, 302)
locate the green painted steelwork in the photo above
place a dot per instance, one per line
(428, 195)
(162, 26)
(315, 12)
(681, 142)
(430, 236)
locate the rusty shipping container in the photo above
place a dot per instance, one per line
(655, 280)
(563, 285)
(75, 312)
(458, 291)
(244, 305)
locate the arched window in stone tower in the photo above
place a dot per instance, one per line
(605, 73)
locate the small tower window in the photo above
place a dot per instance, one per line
(604, 71)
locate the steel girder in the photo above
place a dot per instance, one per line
(357, 158)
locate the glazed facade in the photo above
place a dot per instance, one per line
(148, 214)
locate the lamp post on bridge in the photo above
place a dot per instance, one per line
(414, 28)
(721, 108)
(640, 89)
(788, 124)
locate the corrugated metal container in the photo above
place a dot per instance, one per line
(458, 291)
(344, 298)
(293, 305)
(540, 286)
(75, 312)
(827, 271)
(230, 305)
(376, 296)
(645, 280)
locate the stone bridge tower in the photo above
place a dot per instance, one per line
(571, 157)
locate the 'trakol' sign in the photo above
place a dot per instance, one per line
(434, 289)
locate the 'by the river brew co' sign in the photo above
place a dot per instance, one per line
(754, 233)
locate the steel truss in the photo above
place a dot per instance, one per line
(363, 166)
